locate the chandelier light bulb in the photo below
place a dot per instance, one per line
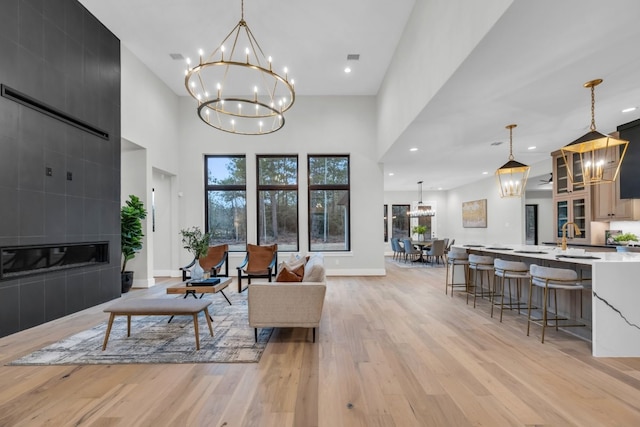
(188, 61)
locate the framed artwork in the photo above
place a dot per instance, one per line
(474, 214)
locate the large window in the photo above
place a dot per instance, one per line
(400, 221)
(278, 201)
(329, 194)
(226, 200)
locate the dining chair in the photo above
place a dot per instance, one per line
(411, 253)
(436, 251)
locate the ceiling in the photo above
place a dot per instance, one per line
(529, 70)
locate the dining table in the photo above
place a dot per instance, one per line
(422, 244)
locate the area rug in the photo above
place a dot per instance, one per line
(411, 264)
(153, 340)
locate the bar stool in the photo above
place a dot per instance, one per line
(479, 265)
(456, 258)
(553, 279)
(508, 271)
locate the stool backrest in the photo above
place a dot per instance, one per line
(561, 276)
(458, 254)
(480, 259)
(519, 266)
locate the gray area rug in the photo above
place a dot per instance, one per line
(153, 340)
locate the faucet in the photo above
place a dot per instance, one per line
(564, 233)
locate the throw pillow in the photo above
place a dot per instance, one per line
(286, 274)
(314, 269)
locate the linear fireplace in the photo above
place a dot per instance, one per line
(18, 261)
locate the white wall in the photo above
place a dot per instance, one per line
(149, 121)
(315, 125)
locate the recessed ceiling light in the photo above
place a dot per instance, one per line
(347, 70)
(628, 110)
(439, 188)
(533, 147)
(485, 173)
(391, 174)
(413, 149)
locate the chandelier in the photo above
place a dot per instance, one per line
(236, 88)
(421, 210)
(600, 155)
(512, 176)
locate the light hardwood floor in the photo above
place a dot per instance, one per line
(391, 351)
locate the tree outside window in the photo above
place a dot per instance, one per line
(278, 201)
(329, 204)
(226, 200)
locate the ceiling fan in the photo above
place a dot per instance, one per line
(546, 181)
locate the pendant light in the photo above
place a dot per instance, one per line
(599, 156)
(512, 176)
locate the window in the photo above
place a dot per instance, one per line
(329, 212)
(278, 201)
(400, 221)
(226, 200)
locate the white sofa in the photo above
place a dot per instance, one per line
(289, 304)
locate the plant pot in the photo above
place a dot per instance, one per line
(126, 281)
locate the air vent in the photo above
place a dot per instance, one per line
(176, 56)
(353, 57)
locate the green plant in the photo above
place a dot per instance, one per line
(419, 229)
(131, 216)
(625, 237)
(195, 241)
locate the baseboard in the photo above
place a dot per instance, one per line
(144, 283)
(356, 272)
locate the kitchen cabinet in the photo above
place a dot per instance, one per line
(572, 203)
(608, 206)
(574, 209)
(561, 183)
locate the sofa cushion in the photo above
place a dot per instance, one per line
(287, 274)
(314, 269)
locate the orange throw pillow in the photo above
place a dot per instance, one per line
(286, 274)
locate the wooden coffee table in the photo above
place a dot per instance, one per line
(192, 287)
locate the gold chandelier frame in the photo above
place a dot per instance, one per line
(512, 176)
(256, 108)
(600, 156)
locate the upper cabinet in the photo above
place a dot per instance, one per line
(603, 200)
(561, 182)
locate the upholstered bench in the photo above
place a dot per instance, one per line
(158, 307)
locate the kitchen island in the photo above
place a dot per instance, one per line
(613, 318)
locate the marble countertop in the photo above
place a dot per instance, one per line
(572, 255)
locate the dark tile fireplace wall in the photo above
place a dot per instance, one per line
(59, 184)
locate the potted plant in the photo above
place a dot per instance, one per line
(197, 243)
(625, 238)
(419, 230)
(131, 216)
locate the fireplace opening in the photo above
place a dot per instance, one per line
(18, 261)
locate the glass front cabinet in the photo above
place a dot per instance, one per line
(572, 203)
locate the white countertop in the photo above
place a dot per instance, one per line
(571, 255)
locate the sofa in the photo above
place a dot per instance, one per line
(290, 304)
